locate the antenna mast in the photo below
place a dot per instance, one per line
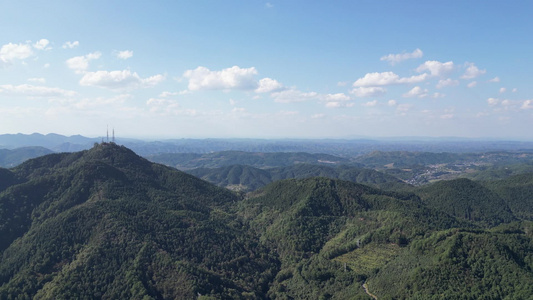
(113, 135)
(107, 140)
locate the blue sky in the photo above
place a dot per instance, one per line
(267, 69)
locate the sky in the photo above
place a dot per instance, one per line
(267, 69)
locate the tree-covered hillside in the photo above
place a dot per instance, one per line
(187, 161)
(247, 178)
(107, 224)
(12, 157)
(468, 200)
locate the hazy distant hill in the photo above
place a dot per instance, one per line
(340, 147)
(51, 141)
(402, 159)
(405, 159)
(255, 159)
(248, 178)
(11, 158)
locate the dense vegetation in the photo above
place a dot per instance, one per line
(11, 158)
(254, 159)
(247, 178)
(108, 224)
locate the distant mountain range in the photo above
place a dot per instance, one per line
(60, 143)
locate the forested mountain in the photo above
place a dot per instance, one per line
(468, 200)
(13, 157)
(107, 224)
(255, 159)
(402, 159)
(247, 178)
(517, 191)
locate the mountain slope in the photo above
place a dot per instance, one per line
(11, 158)
(517, 192)
(7, 178)
(106, 223)
(187, 161)
(467, 199)
(249, 178)
(317, 225)
(235, 177)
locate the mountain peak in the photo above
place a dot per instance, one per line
(113, 153)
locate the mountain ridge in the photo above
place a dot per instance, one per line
(107, 223)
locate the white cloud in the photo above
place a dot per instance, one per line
(80, 64)
(495, 79)
(396, 58)
(71, 45)
(171, 94)
(336, 100)
(269, 5)
(436, 68)
(338, 104)
(318, 116)
(287, 113)
(368, 91)
(88, 104)
(503, 90)
(34, 91)
(124, 54)
(292, 95)
(336, 97)
(447, 116)
(10, 52)
(232, 102)
(268, 85)
(391, 102)
(527, 104)
(117, 80)
(472, 72)
(370, 103)
(404, 107)
(238, 110)
(235, 77)
(46, 66)
(166, 107)
(416, 92)
(447, 82)
(515, 90)
(387, 78)
(38, 80)
(42, 44)
(168, 94)
(472, 84)
(493, 101)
